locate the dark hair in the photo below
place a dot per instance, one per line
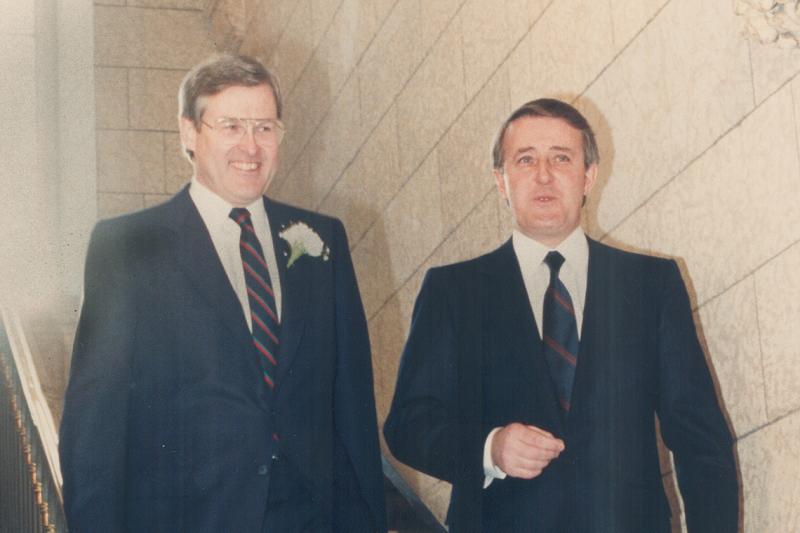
(549, 107)
(216, 74)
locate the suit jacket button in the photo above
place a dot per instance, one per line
(263, 470)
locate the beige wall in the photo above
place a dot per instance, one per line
(391, 107)
(143, 48)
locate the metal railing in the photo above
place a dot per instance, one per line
(30, 475)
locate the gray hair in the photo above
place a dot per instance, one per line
(216, 74)
(549, 107)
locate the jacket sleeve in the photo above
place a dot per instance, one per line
(357, 469)
(692, 423)
(422, 428)
(93, 427)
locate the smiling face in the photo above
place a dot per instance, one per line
(544, 177)
(238, 172)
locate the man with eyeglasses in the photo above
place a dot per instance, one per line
(221, 378)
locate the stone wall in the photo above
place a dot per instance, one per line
(391, 109)
(143, 48)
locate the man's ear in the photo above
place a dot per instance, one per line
(500, 180)
(590, 179)
(188, 133)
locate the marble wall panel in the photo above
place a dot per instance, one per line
(778, 293)
(665, 100)
(721, 215)
(152, 38)
(434, 18)
(629, 17)
(305, 109)
(294, 186)
(568, 47)
(374, 269)
(335, 143)
(413, 222)
(730, 328)
(727, 215)
(115, 204)
(522, 14)
(370, 182)
(437, 85)
(772, 67)
(153, 102)
(130, 161)
(396, 44)
(197, 5)
(465, 165)
(348, 35)
(111, 97)
(294, 48)
(477, 234)
(109, 2)
(18, 17)
(322, 14)
(521, 79)
(488, 37)
(770, 466)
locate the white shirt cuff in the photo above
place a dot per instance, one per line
(490, 470)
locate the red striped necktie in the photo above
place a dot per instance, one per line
(560, 333)
(263, 314)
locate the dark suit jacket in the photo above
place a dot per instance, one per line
(473, 362)
(167, 425)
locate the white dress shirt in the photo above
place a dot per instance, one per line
(536, 276)
(225, 234)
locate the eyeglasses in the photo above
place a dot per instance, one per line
(267, 131)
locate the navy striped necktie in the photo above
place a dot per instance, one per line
(263, 314)
(560, 333)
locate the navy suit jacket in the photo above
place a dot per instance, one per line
(167, 424)
(473, 362)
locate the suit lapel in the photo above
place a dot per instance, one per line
(196, 256)
(294, 288)
(516, 327)
(598, 321)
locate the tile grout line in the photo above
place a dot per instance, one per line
(757, 429)
(760, 351)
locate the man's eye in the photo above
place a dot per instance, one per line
(525, 160)
(264, 127)
(231, 127)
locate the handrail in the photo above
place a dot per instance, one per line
(30, 482)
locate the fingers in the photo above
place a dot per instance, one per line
(524, 451)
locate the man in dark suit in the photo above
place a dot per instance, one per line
(221, 379)
(533, 375)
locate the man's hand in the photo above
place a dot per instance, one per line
(524, 451)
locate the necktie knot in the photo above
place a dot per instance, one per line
(241, 216)
(554, 260)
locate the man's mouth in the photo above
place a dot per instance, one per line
(247, 166)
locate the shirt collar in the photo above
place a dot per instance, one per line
(531, 253)
(215, 210)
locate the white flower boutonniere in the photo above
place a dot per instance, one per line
(303, 241)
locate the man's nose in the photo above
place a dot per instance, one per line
(543, 171)
(248, 140)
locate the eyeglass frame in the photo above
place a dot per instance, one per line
(250, 124)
